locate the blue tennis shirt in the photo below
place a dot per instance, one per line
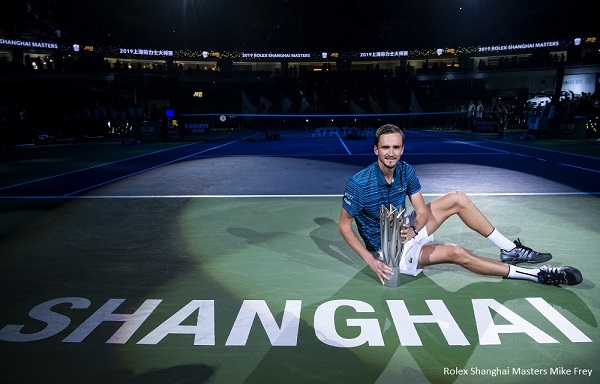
(368, 190)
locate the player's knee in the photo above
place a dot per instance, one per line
(459, 197)
(457, 255)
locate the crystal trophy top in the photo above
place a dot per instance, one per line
(391, 220)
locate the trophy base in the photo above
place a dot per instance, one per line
(397, 279)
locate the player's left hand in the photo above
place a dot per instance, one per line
(406, 233)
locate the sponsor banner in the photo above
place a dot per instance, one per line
(148, 131)
(344, 132)
(578, 84)
(482, 124)
(571, 128)
(193, 128)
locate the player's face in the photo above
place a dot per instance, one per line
(389, 149)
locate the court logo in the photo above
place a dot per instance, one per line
(486, 314)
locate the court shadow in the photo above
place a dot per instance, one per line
(426, 363)
(286, 245)
(191, 373)
(255, 237)
(329, 241)
(311, 361)
(326, 237)
(435, 354)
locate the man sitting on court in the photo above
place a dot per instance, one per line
(389, 181)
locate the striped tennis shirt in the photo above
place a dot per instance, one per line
(368, 190)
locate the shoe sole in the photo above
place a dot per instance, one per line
(515, 262)
(578, 277)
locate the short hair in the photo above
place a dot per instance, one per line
(385, 129)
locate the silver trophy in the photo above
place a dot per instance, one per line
(391, 221)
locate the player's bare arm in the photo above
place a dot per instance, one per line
(345, 228)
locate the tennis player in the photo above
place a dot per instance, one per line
(389, 181)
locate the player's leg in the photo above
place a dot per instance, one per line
(457, 203)
(453, 254)
(449, 253)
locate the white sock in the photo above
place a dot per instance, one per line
(515, 272)
(500, 241)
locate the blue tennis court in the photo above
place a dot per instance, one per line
(219, 261)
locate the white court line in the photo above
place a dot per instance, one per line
(133, 197)
(576, 167)
(501, 152)
(523, 155)
(92, 167)
(109, 163)
(148, 169)
(344, 144)
(427, 154)
(553, 150)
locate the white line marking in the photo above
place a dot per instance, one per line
(282, 196)
(524, 155)
(361, 154)
(576, 167)
(148, 169)
(551, 150)
(344, 144)
(112, 162)
(92, 167)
